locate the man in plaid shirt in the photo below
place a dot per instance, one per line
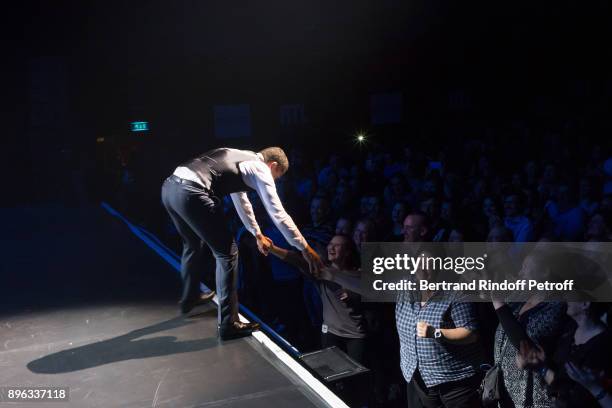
(439, 350)
(439, 346)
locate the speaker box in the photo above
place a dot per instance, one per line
(345, 377)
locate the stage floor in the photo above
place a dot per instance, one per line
(104, 322)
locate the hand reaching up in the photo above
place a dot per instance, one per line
(314, 261)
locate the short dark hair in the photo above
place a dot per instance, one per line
(275, 154)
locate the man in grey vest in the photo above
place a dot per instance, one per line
(193, 198)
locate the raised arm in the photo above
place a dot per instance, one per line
(512, 328)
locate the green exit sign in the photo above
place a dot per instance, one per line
(139, 126)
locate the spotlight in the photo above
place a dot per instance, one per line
(361, 137)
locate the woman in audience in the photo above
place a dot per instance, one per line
(343, 322)
(535, 321)
(582, 359)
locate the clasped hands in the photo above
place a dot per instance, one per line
(264, 244)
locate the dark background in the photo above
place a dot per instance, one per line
(92, 67)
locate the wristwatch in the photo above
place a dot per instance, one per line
(437, 334)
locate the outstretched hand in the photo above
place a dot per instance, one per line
(315, 264)
(264, 244)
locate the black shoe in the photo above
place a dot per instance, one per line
(204, 298)
(237, 330)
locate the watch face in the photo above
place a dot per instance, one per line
(437, 334)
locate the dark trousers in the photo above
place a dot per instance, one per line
(454, 394)
(199, 219)
(355, 348)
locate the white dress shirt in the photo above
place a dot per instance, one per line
(257, 175)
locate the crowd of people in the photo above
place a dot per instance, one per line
(550, 353)
(510, 188)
